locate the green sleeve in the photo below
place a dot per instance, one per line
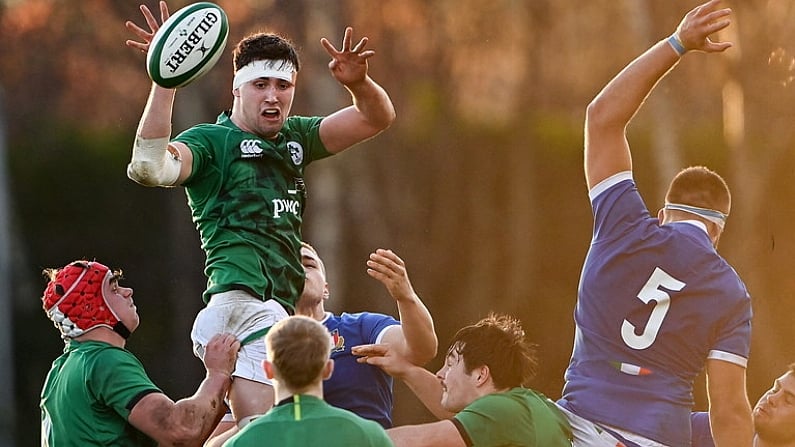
(307, 130)
(119, 381)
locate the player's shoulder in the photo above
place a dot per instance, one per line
(364, 318)
(297, 120)
(94, 348)
(515, 397)
(109, 354)
(361, 315)
(103, 362)
(298, 124)
(214, 139)
(611, 184)
(205, 130)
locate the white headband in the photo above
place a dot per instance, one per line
(264, 68)
(713, 216)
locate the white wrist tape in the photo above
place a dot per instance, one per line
(152, 164)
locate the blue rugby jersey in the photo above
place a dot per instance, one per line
(363, 389)
(654, 302)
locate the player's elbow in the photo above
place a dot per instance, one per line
(421, 355)
(425, 357)
(377, 125)
(595, 114)
(142, 173)
(381, 118)
(175, 425)
(730, 416)
(433, 349)
(152, 164)
(153, 173)
(731, 413)
(179, 436)
(389, 118)
(602, 116)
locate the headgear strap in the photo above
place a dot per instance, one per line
(711, 215)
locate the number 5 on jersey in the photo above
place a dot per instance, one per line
(651, 292)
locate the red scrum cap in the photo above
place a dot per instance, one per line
(75, 302)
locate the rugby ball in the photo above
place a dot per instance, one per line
(187, 45)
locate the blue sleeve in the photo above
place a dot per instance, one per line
(617, 210)
(373, 324)
(735, 332)
(701, 434)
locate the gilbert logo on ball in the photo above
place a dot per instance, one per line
(187, 45)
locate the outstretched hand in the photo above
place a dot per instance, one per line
(382, 356)
(698, 24)
(146, 36)
(349, 64)
(387, 267)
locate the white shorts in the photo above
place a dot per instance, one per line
(238, 313)
(589, 434)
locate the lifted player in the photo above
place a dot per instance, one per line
(244, 178)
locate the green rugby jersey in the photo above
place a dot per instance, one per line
(518, 417)
(88, 395)
(305, 420)
(247, 198)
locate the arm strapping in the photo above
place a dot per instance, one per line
(152, 164)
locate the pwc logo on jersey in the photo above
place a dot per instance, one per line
(285, 206)
(290, 205)
(251, 149)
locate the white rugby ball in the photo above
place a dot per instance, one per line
(187, 45)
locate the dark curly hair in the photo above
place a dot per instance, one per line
(497, 341)
(259, 46)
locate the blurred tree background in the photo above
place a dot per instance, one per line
(478, 185)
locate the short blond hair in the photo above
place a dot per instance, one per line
(299, 348)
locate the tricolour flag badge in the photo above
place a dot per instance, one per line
(633, 370)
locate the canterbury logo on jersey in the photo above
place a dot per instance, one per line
(250, 148)
(285, 206)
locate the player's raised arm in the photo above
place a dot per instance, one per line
(154, 161)
(606, 148)
(729, 409)
(372, 110)
(415, 338)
